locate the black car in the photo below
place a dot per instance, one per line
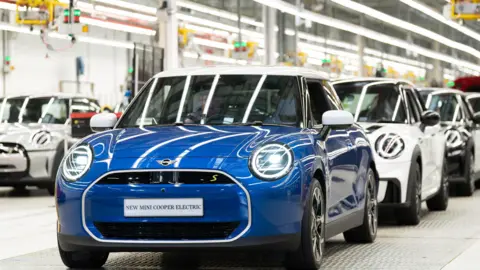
(462, 129)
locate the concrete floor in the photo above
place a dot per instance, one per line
(443, 240)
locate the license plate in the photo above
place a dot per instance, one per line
(191, 207)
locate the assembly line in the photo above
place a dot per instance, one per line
(233, 160)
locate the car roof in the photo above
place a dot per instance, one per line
(372, 79)
(61, 95)
(437, 90)
(245, 70)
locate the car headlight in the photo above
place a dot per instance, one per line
(453, 138)
(389, 146)
(271, 161)
(77, 163)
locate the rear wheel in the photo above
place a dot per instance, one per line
(440, 201)
(309, 254)
(411, 214)
(367, 232)
(468, 188)
(83, 259)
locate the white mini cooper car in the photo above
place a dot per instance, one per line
(409, 144)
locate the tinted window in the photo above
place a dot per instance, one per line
(10, 109)
(275, 103)
(475, 103)
(413, 106)
(378, 103)
(318, 100)
(447, 106)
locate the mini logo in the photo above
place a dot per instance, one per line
(41, 138)
(165, 162)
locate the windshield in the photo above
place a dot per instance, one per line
(222, 100)
(10, 109)
(378, 103)
(47, 110)
(447, 106)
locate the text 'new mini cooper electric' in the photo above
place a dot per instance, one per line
(226, 158)
(408, 141)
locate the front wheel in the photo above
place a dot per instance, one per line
(468, 188)
(309, 254)
(411, 214)
(83, 259)
(367, 232)
(440, 201)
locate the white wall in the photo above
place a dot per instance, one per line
(105, 66)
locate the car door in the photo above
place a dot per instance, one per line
(341, 155)
(473, 128)
(426, 137)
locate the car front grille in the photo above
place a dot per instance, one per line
(165, 177)
(166, 231)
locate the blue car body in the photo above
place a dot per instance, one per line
(239, 209)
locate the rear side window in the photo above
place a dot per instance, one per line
(447, 106)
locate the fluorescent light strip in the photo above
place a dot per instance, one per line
(124, 13)
(406, 26)
(208, 23)
(118, 27)
(217, 12)
(123, 4)
(85, 39)
(342, 25)
(439, 17)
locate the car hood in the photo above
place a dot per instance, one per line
(171, 142)
(23, 133)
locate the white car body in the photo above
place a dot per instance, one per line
(421, 143)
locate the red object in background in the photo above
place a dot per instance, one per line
(468, 84)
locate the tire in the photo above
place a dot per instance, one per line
(311, 250)
(411, 214)
(468, 188)
(440, 201)
(367, 232)
(83, 259)
(56, 164)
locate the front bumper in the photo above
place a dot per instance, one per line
(34, 167)
(277, 242)
(392, 190)
(266, 212)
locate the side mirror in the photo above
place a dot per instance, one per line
(337, 119)
(476, 118)
(102, 121)
(430, 118)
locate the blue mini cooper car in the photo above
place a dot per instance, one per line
(220, 158)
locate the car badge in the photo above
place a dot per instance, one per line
(165, 162)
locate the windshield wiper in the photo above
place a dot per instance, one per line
(384, 121)
(258, 123)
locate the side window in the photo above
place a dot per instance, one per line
(84, 105)
(413, 106)
(318, 100)
(446, 105)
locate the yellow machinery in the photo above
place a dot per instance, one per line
(465, 9)
(37, 12)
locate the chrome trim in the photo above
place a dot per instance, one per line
(247, 194)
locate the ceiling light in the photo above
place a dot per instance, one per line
(406, 26)
(342, 25)
(117, 26)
